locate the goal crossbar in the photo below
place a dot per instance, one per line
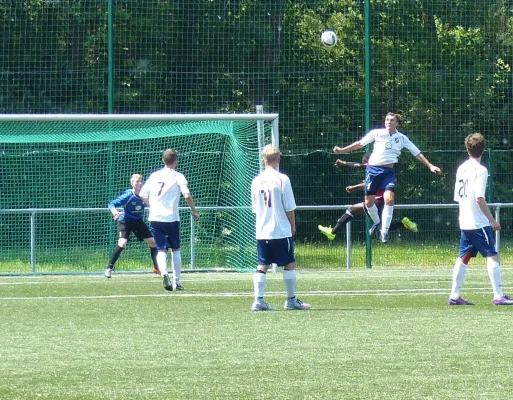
(139, 117)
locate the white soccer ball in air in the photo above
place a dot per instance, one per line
(329, 38)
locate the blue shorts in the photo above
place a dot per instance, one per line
(478, 240)
(379, 178)
(166, 234)
(277, 251)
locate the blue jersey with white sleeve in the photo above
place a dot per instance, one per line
(133, 206)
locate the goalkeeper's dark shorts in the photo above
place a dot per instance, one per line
(137, 227)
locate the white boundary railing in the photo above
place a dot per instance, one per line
(496, 207)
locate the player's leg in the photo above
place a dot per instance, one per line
(142, 232)
(330, 232)
(265, 258)
(403, 223)
(153, 254)
(485, 243)
(373, 178)
(395, 225)
(494, 273)
(388, 185)
(159, 234)
(370, 208)
(379, 202)
(387, 214)
(466, 252)
(283, 253)
(177, 269)
(173, 239)
(123, 235)
(348, 216)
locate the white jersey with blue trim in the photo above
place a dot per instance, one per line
(387, 148)
(163, 189)
(271, 199)
(471, 179)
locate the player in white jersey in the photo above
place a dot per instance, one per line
(379, 174)
(161, 193)
(476, 223)
(272, 200)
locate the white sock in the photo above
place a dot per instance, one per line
(289, 280)
(386, 217)
(259, 281)
(177, 265)
(162, 262)
(373, 213)
(494, 272)
(458, 275)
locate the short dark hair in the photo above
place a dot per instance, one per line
(475, 144)
(396, 116)
(169, 157)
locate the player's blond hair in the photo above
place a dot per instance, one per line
(134, 177)
(270, 154)
(475, 144)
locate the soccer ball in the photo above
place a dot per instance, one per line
(329, 38)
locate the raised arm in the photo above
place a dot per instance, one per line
(342, 150)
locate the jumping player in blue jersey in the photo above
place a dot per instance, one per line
(379, 174)
(130, 221)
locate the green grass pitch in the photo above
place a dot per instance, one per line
(371, 334)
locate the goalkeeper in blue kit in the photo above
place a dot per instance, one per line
(129, 221)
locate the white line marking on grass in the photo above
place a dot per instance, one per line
(392, 292)
(29, 280)
(429, 273)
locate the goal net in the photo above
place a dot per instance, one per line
(59, 172)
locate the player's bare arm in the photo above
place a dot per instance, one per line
(347, 149)
(115, 213)
(291, 215)
(483, 205)
(355, 188)
(146, 201)
(433, 168)
(349, 164)
(190, 201)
